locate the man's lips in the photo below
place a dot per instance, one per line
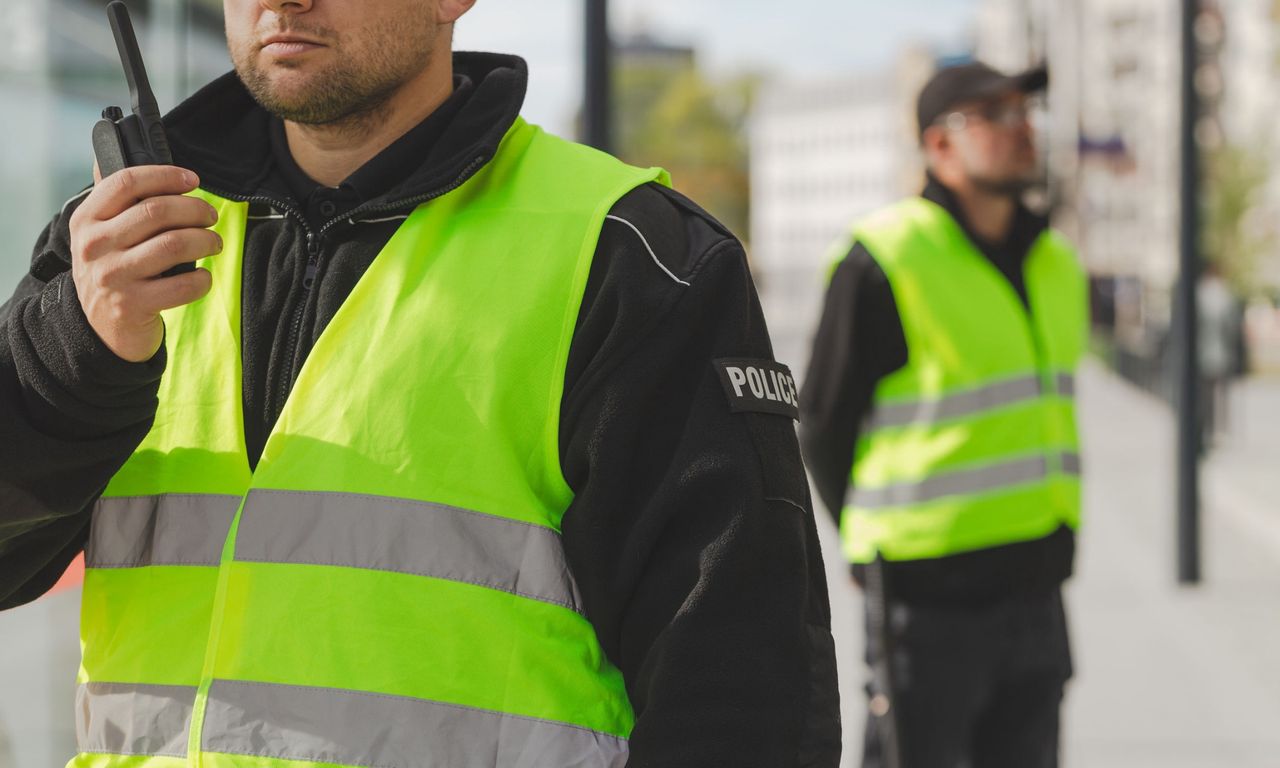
(289, 45)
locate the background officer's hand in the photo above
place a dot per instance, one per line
(133, 226)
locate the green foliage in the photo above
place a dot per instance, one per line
(1234, 235)
(696, 129)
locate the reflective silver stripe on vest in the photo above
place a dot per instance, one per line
(119, 719)
(1065, 384)
(1070, 463)
(984, 479)
(159, 530)
(1002, 393)
(354, 728)
(423, 539)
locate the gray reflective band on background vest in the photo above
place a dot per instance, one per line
(1025, 389)
(355, 728)
(423, 539)
(120, 719)
(970, 481)
(159, 530)
(1066, 385)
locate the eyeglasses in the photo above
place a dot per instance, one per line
(1003, 114)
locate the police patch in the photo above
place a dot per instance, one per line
(760, 386)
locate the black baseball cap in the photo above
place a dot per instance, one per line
(974, 81)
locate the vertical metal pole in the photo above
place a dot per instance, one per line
(596, 130)
(185, 20)
(884, 703)
(1188, 399)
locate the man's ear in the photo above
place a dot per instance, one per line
(935, 142)
(449, 11)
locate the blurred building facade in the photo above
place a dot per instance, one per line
(60, 70)
(824, 154)
(1114, 147)
(1250, 65)
(1114, 122)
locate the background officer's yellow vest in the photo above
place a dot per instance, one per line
(973, 443)
(388, 587)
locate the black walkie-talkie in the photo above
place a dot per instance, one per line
(122, 141)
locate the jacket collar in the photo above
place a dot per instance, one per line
(1027, 224)
(222, 134)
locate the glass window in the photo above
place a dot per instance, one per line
(60, 70)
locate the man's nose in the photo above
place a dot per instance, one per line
(287, 6)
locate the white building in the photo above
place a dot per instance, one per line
(1009, 35)
(1113, 114)
(1129, 71)
(1119, 61)
(822, 155)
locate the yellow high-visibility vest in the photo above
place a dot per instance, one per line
(973, 443)
(388, 587)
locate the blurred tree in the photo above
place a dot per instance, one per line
(667, 113)
(1236, 231)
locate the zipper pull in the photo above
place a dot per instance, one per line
(313, 261)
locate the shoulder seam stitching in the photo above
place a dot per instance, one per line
(648, 247)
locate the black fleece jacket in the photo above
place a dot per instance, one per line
(859, 342)
(691, 534)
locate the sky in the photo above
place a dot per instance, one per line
(793, 39)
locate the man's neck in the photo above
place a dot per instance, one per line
(330, 153)
(990, 216)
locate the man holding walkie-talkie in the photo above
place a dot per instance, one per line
(436, 458)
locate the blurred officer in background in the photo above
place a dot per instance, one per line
(939, 420)
(1219, 347)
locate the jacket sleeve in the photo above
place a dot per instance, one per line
(73, 413)
(691, 534)
(859, 341)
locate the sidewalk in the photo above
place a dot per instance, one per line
(1167, 677)
(1241, 470)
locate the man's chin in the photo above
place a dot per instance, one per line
(1014, 186)
(290, 105)
(286, 93)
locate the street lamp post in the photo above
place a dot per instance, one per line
(1187, 321)
(596, 129)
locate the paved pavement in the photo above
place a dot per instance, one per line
(1168, 676)
(1241, 470)
(39, 654)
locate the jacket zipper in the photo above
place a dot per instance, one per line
(315, 250)
(313, 263)
(315, 247)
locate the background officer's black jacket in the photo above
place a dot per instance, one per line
(859, 342)
(691, 534)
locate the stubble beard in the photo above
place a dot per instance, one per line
(345, 98)
(1014, 186)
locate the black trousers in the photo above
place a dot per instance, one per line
(974, 687)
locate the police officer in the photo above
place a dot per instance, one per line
(434, 461)
(939, 423)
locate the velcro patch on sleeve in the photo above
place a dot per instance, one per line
(760, 386)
